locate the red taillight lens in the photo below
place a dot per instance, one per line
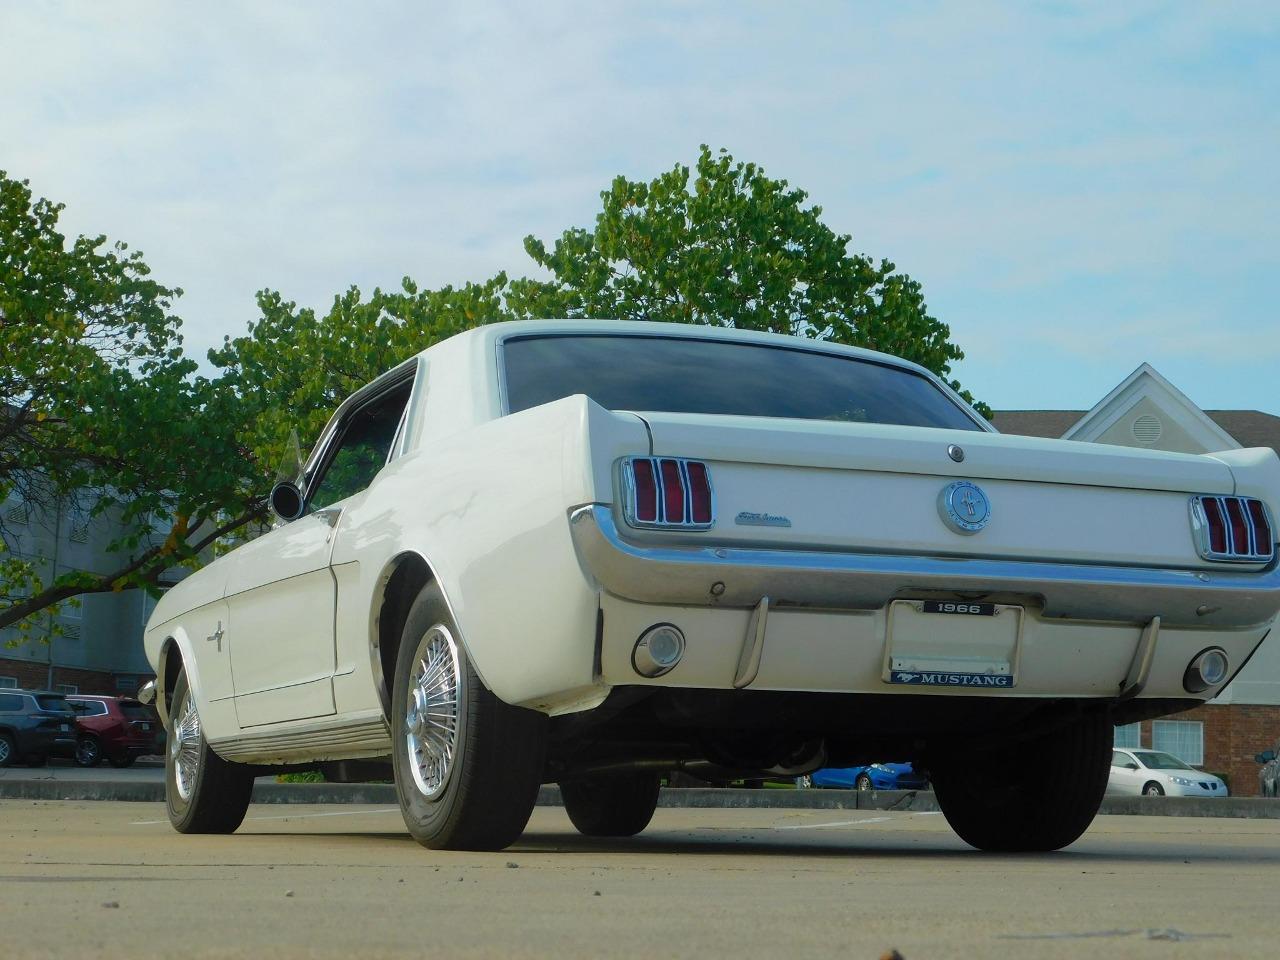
(1235, 529)
(1239, 526)
(672, 491)
(1264, 539)
(699, 492)
(1217, 525)
(646, 490)
(668, 492)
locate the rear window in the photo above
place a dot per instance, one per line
(54, 703)
(10, 703)
(679, 375)
(89, 708)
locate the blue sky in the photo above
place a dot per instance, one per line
(1078, 187)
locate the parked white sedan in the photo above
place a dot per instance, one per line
(592, 552)
(1154, 773)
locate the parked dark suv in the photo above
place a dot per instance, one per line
(118, 728)
(34, 725)
(1269, 775)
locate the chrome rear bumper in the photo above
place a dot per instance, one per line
(736, 577)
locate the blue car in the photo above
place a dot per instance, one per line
(877, 776)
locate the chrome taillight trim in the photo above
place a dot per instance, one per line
(1256, 553)
(629, 493)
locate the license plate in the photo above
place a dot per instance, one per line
(146, 726)
(961, 609)
(952, 643)
(65, 728)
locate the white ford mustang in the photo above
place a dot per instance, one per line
(593, 552)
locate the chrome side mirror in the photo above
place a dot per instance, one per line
(286, 501)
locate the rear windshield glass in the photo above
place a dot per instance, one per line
(54, 703)
(678, 375)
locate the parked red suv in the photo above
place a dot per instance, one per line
(113, 727)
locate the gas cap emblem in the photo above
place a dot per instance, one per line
(964, 507)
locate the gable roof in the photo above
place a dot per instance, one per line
(1249, 428)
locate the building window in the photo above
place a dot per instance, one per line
(1129, 735)
(1183, 738)
(9, 683)
(65, 688)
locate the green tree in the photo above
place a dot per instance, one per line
(732, 248)
(98, 405)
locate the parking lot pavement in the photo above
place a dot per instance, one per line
(66, 770)
(111, 879)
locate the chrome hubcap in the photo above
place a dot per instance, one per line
(184, 747)
(432, 711)
(4, 750)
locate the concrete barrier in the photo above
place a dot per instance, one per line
(383, 794)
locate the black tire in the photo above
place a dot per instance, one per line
(89, 751)
(218, 792)
(1032, 808)
(485, 796)
(863, 783)
(1153, 789)
(8, 750)
(122, 760)
(620, 805)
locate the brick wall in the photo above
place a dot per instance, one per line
(1233, 734)
(33, 675)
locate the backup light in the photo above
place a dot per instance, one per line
(1207, 669)
(658, 651)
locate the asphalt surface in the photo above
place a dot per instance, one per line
(112, 879)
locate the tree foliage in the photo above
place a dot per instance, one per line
(98, 404)
(734, 248)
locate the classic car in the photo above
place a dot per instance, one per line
(594, 552)
(870, 776)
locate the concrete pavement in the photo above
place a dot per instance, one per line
(112, 879)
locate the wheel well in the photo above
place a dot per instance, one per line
(171, 660)
(406, 581)
(1151, 783)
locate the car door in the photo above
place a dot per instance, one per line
(281, 591)
(1126, 777)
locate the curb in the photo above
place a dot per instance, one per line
(384, 794)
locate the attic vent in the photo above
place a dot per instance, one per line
(1147, 429)
(71, 631)
(16, 514)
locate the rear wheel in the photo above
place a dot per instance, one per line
(8, 750)
(611, 806)
(1153, 789)
(203, 792)
(1032, 808)
(467, 765)
(89, 751)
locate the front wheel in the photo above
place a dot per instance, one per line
(8, 750)
(1037, 807)
(203, 793)
(88, 752)
(1153, 789)
(620, 805)
(467, 766)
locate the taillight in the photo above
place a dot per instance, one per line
(667, 492)
(1233, 529)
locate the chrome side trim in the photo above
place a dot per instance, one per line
(684, 575)
(344, 740)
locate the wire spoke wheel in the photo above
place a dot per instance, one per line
(432, 710)
(184, 747)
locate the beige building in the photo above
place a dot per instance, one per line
(1146, 410)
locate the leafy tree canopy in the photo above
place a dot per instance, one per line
(98, 405)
